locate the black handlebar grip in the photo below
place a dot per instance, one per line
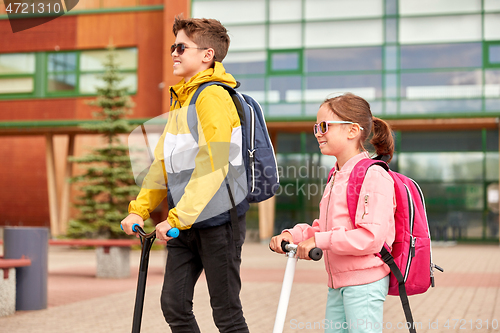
(284, 243)
(316, 254)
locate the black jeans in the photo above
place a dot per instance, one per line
(213, 250)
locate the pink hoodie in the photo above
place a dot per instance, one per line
(350, 253)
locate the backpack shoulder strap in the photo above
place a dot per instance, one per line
(355, 182)
(192, 117)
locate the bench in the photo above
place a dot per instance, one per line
(8, 284)
(106, 244)
(112, 255)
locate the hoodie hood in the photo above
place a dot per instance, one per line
(183, 91)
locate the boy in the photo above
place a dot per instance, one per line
(206, 240)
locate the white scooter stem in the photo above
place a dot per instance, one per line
(286, 289)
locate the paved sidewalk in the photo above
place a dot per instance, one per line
(466, 297)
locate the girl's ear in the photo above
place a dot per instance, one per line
(354, 131)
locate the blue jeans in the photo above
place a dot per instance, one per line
(356, 309)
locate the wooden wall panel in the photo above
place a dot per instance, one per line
(24, 199)
(88, 4)
(172, 9)
(60, 32)
(150, 2)
(119, 3)
(37, 109)
(150, 65)
(97, 31)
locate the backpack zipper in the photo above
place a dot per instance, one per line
(366, 206)
(432, 265)
(252, 146)
(411, 252)
(326, 227)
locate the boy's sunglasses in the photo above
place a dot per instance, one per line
(322, 127)
(181, 47)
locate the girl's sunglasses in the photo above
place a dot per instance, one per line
(322, 127)
(181, 47)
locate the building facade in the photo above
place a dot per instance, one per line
(430, 68)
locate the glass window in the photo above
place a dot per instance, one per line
(285, 61)
(412, 7)
(17, 73)
(441, 55)
(492, 88)
(441, 85)
(343, 59)
(492, 26)
(391, 107)
(442, 167)
(289, 143)
(62, 62)
(456, 28)
(494, 54)
(440, 106)
(62, 71)
(234, 11)
(446, 141)
(327, 9)
(492, 166)
(255, 87)
(344, 33)
(245, 62)
(491, 5)
(391, 30)
(17, 63)
(285, 10)
(285, 36)
(92, 65)
(492, 140)
(391, 86)
(93, 60)
(289, 88)
(90, 82)
(320, 87)
(16, 85)
(391, 7)
(61, 82)
(391, 57)
(247, 37)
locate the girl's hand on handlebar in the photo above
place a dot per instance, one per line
(162, 229)
(304, 247)
(275, 243)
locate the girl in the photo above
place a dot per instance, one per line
(358, 279)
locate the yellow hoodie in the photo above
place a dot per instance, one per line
(202, 165)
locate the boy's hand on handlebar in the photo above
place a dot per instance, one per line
(304, 247)
(161, 231)
(275, 243)
(129, 221)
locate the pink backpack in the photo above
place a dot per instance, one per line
(410, 259)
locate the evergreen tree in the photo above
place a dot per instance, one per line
(107, 185)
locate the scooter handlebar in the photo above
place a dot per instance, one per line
(315, 253)
(173, 232)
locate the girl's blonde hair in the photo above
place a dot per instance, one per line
(350, 107)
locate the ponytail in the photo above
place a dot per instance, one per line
(350, 107)
(382, 139)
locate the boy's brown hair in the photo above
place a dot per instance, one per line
(209, 33)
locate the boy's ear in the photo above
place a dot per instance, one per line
(209, 55)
